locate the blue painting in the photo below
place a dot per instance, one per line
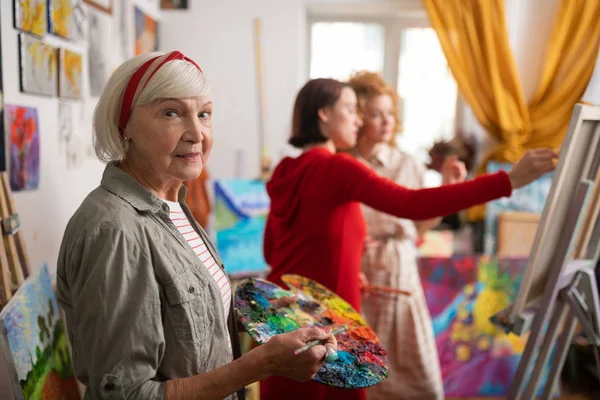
(530, 198)
(241, 208)
(35, 344)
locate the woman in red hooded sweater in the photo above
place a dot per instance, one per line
(315, 227)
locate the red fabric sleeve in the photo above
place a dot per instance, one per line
(357, 182)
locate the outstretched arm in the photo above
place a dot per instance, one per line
(356, 182)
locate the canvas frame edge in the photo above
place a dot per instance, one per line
(107, 10)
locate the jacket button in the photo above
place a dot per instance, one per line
(192, 290)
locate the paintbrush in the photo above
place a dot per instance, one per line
(335, 331)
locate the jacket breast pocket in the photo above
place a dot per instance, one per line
(187, 309)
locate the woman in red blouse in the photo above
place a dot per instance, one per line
(315, 227)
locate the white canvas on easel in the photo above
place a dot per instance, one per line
(559, 286)
(582, 136)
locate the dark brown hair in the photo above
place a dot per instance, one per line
(315, 95)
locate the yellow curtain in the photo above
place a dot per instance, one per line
(473, 36)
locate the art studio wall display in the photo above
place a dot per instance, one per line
(265, 309)
(66, 18)
(22, 126)
(70, 74)
(146, 39)
(99, 48)
(102, 5)
(38, 66)
(124, 37)
(34, 343)
(173, 4)
(241, 208)
(65, 125)
(463, 292)
(31, 16)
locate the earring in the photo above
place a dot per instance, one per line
(125, 138)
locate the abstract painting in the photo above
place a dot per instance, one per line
(65, 18)
(31, 16)
(241, 208)
(477, 358)
(145, 33)
(69, 77)
(34, 342)
(530, 198)
(98, 51)
(266, 309)
(38, 66)
(102, 5)
(173, 4)
(23, 127)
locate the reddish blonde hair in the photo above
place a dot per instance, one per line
(368, 85)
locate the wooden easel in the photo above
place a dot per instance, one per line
(14, 263)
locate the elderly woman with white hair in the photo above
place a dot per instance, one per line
(147, 302)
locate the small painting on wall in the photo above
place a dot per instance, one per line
(69, 77)
(2, 134)
(99, 51)
(23, 128)
(64, 19)
(38, 66)
(102, 5)
(174, 4)
(31, 16)
(145, 33)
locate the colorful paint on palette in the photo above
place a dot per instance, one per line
(266, 310)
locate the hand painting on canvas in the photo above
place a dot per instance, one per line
(35, 342)
(23, 128)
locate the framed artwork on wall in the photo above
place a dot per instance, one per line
(38, 66)
(70, 72)
(173, 4)
(31, 16)
(66, 19)
(146, 39)
(23, 129)
(102, 5)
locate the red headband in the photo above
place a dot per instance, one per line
(140, 79)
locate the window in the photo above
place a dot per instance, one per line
(340, 48)
(428, 92)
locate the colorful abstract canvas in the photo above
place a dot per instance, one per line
(63, 19)
(23, 127)
(266, 309)
(38, 66)
(241, 208)
(530, 198)
(34, 342)
(146, 36)
(31, 16)
(70, 73)
(477, 358)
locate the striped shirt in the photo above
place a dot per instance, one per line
(194, 240)
(197, 244)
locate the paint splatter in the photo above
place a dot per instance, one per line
(266, 309)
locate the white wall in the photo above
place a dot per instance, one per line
(220, 38)
(45, 212)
